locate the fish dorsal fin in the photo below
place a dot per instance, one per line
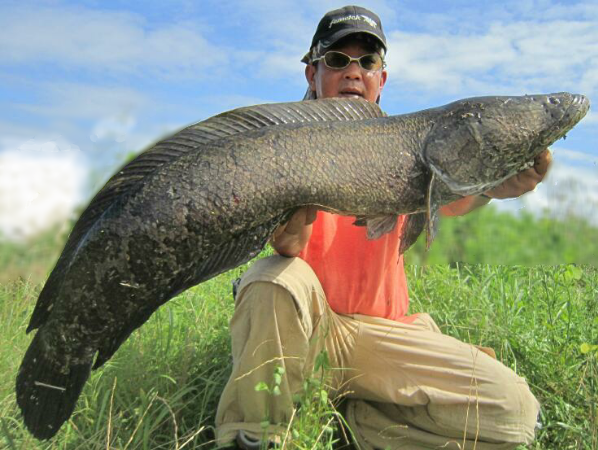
(237, 121)
(191, 139)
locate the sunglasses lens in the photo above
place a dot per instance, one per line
(336, 60)
(371, 62)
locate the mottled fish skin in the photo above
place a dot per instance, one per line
(208, 199)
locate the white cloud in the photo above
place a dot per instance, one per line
(279, 33)
(522, 56)
(232, 101)
(100, 120)
(39, 144)
(110, 41)
(41, 184)
(574, 156)
(546, 9)
(116, 127)
(569, 189)
(85, 101)
(591, 118)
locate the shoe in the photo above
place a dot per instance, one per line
(246, 442)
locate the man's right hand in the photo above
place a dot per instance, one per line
(290, 238)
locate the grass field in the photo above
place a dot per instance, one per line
(161, 388)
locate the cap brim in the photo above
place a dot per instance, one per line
(344, 33)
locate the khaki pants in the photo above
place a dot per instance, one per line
(409, 386)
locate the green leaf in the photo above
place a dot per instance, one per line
(277, 379)
(314, 382)
(322, 361)
(261, 386)
(573, 273)
(585, 348)
(276, 391)
(323, 397)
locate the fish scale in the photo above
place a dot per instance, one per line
(208, 199)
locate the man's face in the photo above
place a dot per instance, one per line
(352, 81)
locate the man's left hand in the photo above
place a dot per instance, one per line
(524, 181)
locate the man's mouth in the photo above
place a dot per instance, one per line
(350, 93)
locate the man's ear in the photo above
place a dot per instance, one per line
(310, 76)
(383, 77)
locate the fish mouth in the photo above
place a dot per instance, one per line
(573, 107)
(579, 107)
(576, 107)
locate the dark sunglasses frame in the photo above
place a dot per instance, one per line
(349, 60)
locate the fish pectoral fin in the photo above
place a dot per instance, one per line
(413, 226)
(361, 221)
(379, 226)
(432, 207)
(428, 220)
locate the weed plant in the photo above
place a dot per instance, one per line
(489, 236)
(161, 388)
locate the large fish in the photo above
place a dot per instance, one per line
(208, 198)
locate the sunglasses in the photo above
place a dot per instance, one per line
(338, 60)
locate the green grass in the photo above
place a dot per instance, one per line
(162, 386)
(489, 236)
(30, 260)
(537, 320)
(161, 389)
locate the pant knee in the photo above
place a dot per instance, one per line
(278, 278)
(517, 419)
(269, 298)
(530, 409)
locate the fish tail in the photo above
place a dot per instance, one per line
(46, 392)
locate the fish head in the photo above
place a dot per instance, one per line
(475, 144)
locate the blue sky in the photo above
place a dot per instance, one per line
(84, 83)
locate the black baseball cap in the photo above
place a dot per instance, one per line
(342, 22)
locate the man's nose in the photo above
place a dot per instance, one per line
(353, 71)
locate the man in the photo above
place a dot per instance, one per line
(332, 289)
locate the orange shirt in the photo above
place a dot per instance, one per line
(359, 276)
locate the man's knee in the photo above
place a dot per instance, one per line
(514, 415)
(523, 408)
(265, 297)
(278, 278)
(501, 412)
